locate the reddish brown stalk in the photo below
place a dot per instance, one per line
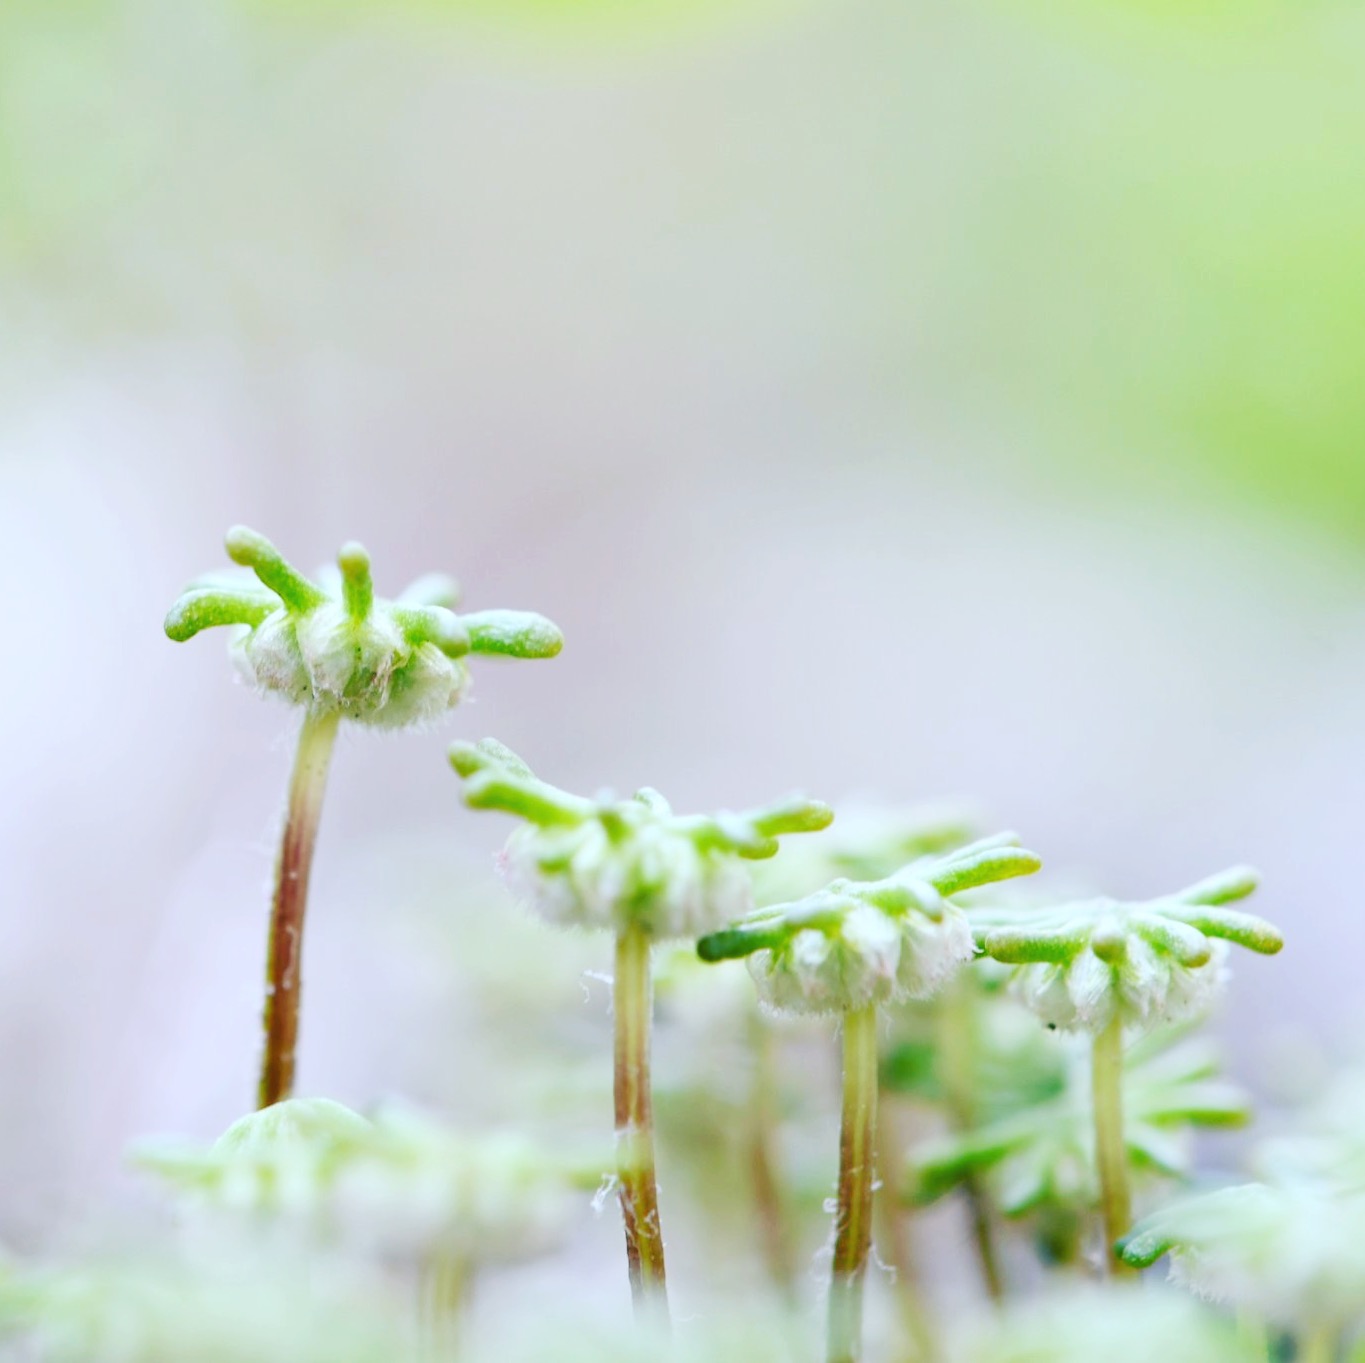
(633, 1006)
(282, 973)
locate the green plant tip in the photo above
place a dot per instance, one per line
(337, 647)
(866, 844)
(401, 1180)
(515, 634)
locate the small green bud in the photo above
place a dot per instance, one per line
(611, 863)
(858, 943)
(1161, 960)
(336, 646)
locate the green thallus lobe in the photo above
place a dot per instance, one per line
(635, 868)
(339, 652)
(849, 948)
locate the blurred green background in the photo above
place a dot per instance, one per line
(1126, 233)
(906, 399)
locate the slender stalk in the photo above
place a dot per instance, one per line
(857, 1173)
(633, 1007)
(773, 1221)
(956, 1026)
(893, 1233)
(282, 972)
(1111, 1151)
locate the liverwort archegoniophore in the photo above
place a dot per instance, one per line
(338, 652)
(645, 874)
(847, 950)
(1110, 968)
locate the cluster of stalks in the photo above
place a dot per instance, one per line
(634, 869)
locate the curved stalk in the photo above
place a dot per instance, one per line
(857, 1172)
(1111, 1151)
(633, 1007)
(282, 973)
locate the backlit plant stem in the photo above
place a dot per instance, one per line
(857, 1173)
(633, 1007)
(1111, 1152)
(283, 980)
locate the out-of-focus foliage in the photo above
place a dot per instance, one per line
(1084, 1326)
(403, 1182)
(1038, 1140)
(1288, 1251)
(1288, 1248)
(757, 1334)
(131, 1308)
